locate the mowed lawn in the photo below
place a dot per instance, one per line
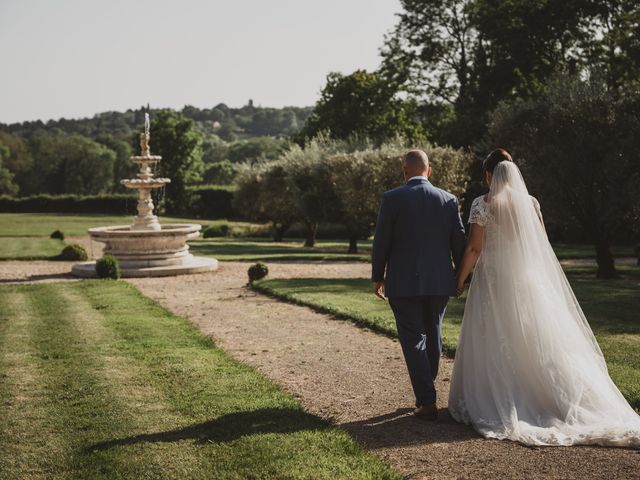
(29, 248)
(34, 228)
(611, 306)
(75, 225)
(245, 249)
(97, 381)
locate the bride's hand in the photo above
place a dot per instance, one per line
(460, 287)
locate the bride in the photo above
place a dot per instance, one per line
(528, 367)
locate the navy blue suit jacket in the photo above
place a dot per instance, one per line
(419, 234)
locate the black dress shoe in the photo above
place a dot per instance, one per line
(427, 412)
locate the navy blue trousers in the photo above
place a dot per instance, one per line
(419, 322)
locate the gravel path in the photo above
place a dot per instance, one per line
(31, 271)
(351, 376)
(358, 379)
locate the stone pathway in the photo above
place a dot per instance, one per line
(348, 375)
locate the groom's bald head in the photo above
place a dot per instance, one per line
(416, 163)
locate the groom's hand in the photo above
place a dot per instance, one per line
(378, 288)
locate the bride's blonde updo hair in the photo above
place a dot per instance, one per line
(494, 158)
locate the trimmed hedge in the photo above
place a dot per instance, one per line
(119, 204)
(211, 202)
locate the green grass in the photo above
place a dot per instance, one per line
(611, 306)
(29, 248)
(258, 249)
(99, 382)
(566, 251)
(243, 249)
(73, 225)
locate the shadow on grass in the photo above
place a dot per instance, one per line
(39, 278)
(228, 428)
(400, 428)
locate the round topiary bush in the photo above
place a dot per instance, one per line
(57, 234)
(257, 272)
(220, 230)
(74, 252)
(108, 267)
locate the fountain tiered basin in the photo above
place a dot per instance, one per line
(149, 253)
(148, 248)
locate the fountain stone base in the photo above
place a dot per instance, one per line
(149, 253)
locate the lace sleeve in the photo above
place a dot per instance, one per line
(479, 212)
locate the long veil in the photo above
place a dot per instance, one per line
(516, 241)
(528, 366)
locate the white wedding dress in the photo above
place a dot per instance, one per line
(528, 367)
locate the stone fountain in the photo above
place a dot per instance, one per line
(148, 248)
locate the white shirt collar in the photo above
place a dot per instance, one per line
(418, 177)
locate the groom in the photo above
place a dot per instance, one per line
(418, 233)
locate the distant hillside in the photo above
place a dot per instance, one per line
(90, 155)
(228, 123)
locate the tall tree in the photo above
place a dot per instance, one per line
(362, 104)
(177, 140)
(86, 166)
(431, 51)
(17, 158)
(123, 167)
(263, 194)
(7, 186)
(310, 182)
(579, 146)
(471, 54)
(524, 42)
(255, 150)
(68, 164)
(611, 41)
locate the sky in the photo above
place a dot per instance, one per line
(75, 58)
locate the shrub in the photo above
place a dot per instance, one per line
(263, 194)
(57, 234)
(336, 182)
(108, 267)
(219, 230)
(253, 231)
(220, 173)
(257, 272)
(73, 252)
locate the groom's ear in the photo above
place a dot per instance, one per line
(428, 170)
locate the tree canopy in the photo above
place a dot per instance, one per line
(176, 139)
(472, 54)
(579, 145)
(362, 104)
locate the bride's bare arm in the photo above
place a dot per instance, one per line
(471, 254)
